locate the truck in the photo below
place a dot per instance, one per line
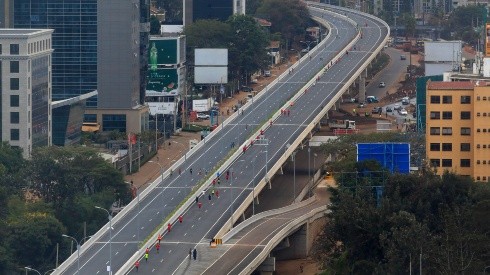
(342, 124)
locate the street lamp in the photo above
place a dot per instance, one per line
(184, 148)
(110, 237)
(309, 171)
(32, 269)
(253, 182)
(78, 251)
(161, 167)
(51, 270)
(293, 156)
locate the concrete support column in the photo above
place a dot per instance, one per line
(337, 104)
(268, 266)
(362, 89)
(366, 73)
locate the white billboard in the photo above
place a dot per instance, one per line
(163, 108)
(438, 68)
(202, 105)
(210, 75)
(211, 57)
(443, 51)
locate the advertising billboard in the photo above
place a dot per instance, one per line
(202, 105)
(162, 52)
(211, 66)
(443, 51)
(393, 156)
(487, 40)
(162, 80)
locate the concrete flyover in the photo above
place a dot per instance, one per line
(314, 86)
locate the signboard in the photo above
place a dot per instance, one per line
(163, 108)
(162, 80)
(211, 66)
(487, 44)
(443, 51)
(201, 105)
(162, 52)
(393, 156)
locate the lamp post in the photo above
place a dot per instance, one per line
(161, 167)
(32, 269)
(78, 251)
(110, 237)
(183, 146)
(293, 156)
(51, 270)
(253, 182)
(309, 171)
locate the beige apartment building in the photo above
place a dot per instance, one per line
(458, 128)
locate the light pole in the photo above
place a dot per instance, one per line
(161, 167)
(309, 171)
(32, 269)
(183, 146)
(253, 182)
(51, 270)
(78, 250)
(293, 156)
(110, 237)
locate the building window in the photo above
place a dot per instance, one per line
(14, 134)
(447, 131)
(484, 178)
(465, 147)
(478, 114)
(478, 162)
(14, 67)
(447, 99)
(465, 163)
(435, 99)
(484, 98)
(435, 147)
(435, 115)
(447, 147)
(447, 115)
(14, 49)
(14, 101)
(435, 131)
(478, 146)
(478, 98)
(114, 122)
(484, 146)
(465, 131)
(447, 162)
(435, 162)
(484, 114)
(484, 162)
(14, 84)
(90, 118)
(477, 178)
(465, 99)
(465, 115)
(484, 130)
(478, 130)
(14, 117)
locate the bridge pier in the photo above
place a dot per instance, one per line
(268, 266)
(362, 89)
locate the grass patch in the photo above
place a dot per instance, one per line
(194, 128)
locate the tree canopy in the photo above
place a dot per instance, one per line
(52, 194)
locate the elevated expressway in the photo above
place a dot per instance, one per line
(309, 91)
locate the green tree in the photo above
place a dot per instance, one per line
(173, 10)
(154, 25)
(409, 22)
(247, 51)
(206, 34)
(288, 17)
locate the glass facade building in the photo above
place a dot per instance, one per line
(40, 101)
(74, 62)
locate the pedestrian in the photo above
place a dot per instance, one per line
(386, 114)
(147, 250)
(194, 254)
(289, 111)
(197, 199)
(180, 219)
(146, 256)
(212, 192)
(214, 182)
(159, 238)
(190, 170)
(219, 181)
(137, 265)
(199, 204)
(209, 197)
(169, 227)
(180, 172)
(217, 193)
(158, 248)
(200, 171)
(190, 253)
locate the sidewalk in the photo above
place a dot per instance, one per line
(168, 154)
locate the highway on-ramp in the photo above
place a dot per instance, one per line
(201, 224)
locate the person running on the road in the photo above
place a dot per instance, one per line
(146, 256)
(194, 254)
(197, 199)
(158, 248)
(159, 238)
(190, 170)
(147, 250)
(217, 193)
(169, 227)
(137, 265)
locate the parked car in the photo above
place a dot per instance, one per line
(372, 99)
(377, 110)
(267, 73)
(402, 57)
(202, 116)
(389, 109)
(247, 89)
(405, 100)
(403, 112)
(397, 107)
(361, 105)
(382, 84)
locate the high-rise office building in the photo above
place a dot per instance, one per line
(74, 39)
(123, 35)
(25, 87)
(211, 9)
(458, 128)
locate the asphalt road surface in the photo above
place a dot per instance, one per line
(390, 74)
(201, 224)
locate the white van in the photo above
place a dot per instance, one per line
(405, 100)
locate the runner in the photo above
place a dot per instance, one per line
(146, 257)
(137, 265)
(190, 170)
(159, 238)
(158, 248)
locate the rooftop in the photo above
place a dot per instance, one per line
(23, 32)
(455, 85)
